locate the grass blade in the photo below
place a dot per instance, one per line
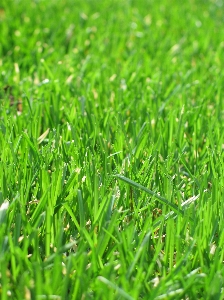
(115, 287)
(158, 197)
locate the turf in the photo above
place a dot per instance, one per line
(111, 138)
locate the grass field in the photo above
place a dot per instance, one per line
(112, 139)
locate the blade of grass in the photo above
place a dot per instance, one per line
(160, 198)
(81, 210)
(115, 287)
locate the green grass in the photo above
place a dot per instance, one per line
(111, 138)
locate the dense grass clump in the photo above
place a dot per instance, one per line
(111, 138)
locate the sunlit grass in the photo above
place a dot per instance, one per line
(111, 137)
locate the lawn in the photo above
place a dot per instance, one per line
(112, 149)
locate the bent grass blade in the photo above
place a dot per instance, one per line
(160, 198)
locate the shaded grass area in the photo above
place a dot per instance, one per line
(111, 165)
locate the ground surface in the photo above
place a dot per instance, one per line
(111, 138)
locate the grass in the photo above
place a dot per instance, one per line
(111, 169)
